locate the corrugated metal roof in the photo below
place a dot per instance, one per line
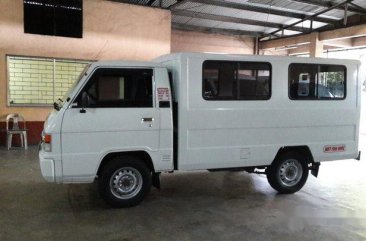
(258, 16)
(237, 13)
(286, 4)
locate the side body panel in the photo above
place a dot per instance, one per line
(223, 134)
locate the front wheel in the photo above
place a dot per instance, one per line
(124, 182)
(288, 173)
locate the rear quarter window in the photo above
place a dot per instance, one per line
(317, 82)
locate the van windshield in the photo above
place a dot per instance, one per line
(60, 102)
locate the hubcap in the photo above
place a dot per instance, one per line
(125, 183)
(290, 172)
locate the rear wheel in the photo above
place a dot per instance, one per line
(124, 181)
(288, 173)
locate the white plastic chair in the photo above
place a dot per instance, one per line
(15, 124)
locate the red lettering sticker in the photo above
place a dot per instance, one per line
(163, 94)
(334, 148)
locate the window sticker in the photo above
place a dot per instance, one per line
(163, 94)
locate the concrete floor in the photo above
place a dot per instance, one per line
(190, 206)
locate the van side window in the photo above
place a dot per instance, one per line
(231, 80)
(254, 81)
(113, 87)
(317, 82)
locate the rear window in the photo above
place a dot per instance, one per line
(317, 82)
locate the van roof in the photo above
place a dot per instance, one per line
(118, 63)
(219, 56)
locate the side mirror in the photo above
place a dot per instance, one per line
(85, 101)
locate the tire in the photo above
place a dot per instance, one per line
(124, 182)
(288, 173)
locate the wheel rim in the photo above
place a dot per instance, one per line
(290, 172)
(125, 183)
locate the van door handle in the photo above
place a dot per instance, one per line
(147, 119)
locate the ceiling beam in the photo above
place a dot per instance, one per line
(176, 5)
(328, 4)
(228, 19)
(150, 2)
(321, 3)
(186, 27)
(259, 9)
(331, 35)
(307, 18)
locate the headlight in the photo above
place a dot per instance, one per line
(47, 140)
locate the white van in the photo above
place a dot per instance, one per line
(124, 123)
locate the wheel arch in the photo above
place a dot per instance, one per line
(302, 150)
(143, 155)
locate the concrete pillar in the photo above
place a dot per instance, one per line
(315, 46)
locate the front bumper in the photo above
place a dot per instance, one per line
(47, 167)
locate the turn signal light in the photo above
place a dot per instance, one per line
(47, 138)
